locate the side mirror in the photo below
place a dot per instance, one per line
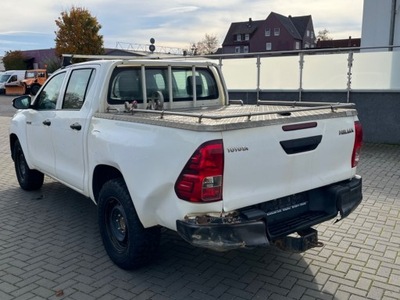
(22, 102)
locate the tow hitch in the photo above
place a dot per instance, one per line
(305, 239)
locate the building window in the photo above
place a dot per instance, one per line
(237, 49)
(238, 37)
(268, 46)
(308, 33)
(246, 49)
(267, 31)
(246, 37)
(297, 45)
(307, 45)
(277, 31)
(312, 34)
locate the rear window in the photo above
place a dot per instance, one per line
(127, 84)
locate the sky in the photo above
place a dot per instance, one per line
(127, 24)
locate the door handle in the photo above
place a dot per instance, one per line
(47, 122)
(76, 126)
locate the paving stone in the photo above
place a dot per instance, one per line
(296, 292)
(331, 287)
(364, 284)
(375, 293)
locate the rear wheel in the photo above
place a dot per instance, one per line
(126, 241)
(28, 179)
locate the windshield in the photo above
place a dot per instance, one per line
(4, 78)
(30, 75)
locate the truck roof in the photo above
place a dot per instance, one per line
(148, 62)
(134, 60)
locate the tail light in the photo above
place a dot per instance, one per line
(201, 179)
(357, 144)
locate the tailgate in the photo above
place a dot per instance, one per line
(265, 163)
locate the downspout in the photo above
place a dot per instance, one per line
(301, 65)
(392, 24)
(258, 77)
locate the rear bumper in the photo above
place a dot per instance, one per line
(222, 237)
(268, 223)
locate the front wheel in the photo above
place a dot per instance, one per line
(35, 89)
(126, 241)
(28, 179)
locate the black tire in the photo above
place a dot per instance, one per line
(127, 242)
(34, 89)
(28, 179)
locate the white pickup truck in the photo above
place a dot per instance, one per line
(157, 143)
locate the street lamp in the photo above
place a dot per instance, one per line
(194, 49)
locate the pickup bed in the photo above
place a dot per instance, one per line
(157, 143)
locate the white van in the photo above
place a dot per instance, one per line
(10, 77)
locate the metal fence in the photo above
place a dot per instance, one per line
(335, 70)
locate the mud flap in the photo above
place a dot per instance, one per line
(347, 196)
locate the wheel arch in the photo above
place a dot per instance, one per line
(20, 138)
(102, 174)
(13, 138)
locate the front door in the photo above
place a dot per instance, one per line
(40, 122)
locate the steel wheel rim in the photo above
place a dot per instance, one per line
(116, 224)
(22, 168)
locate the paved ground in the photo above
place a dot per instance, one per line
(50, 248)
(6, 108)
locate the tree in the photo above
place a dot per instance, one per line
(208, 45)
(78, 33)
(14, 60)
(323, 35)
(52, 64)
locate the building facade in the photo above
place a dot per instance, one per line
(275, 33)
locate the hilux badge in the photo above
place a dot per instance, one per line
(346, 131)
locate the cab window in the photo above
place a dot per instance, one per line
(47, 99)
(126, 84)
(77, 88)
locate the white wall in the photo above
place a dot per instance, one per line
(377, 23)
(324, 72)
(397, 25)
